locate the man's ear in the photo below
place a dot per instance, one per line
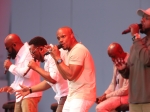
(14, 46)
(72, 35)
(41, 49)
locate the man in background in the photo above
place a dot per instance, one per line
(20, 52)
(117, 92)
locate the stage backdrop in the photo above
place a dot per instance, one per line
(96, 23)
(5, 9)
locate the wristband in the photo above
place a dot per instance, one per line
(59, 61)
(30, 89)
(133, 38)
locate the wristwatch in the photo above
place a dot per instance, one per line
(59, 61)
(133, 38)
(30, 89)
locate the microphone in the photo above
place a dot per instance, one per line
(8, 57)
(59, 46)
(49, 51)
(26, 72)
(28, 69)
(128, 30)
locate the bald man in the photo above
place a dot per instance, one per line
(20, 52)
(78, 69)
(117, 92)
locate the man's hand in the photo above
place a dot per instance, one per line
(22, 92)
(7, 89)
(134, 29)
(48, 47)
(137, 36)
(120, 64)
(32, 64)
(55, 52)
(7, 63)
(101, 98)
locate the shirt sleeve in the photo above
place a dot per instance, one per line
(142, 51)
(21, 67)
(120, 92)
(53, 71)
(111, 92)
(112, 85)
(77, 58)
(13, 85)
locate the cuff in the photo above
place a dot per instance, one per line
(51, 84)
(107, 96)
(11, 68)
(133, 38)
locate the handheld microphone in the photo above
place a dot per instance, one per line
(128, 30)
(49, 51)
(28, 69)
(26, 72)
(8, 57)
(59, 46)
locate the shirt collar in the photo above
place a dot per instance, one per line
(22, 49)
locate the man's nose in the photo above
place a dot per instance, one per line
(142, 20)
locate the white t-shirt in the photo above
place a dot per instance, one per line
(84, 86)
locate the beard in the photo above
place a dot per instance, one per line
(145, 31)
(12, 54)
(41, 59)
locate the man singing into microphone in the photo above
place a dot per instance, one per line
(20, 52)
(137, 69)
(50, 72)
(78, 69)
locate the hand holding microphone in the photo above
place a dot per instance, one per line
(133, 28)
(7, 64)
(31, 65)
(55, 53)
(50, 49)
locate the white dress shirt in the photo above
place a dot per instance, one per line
(61, 86)
(20, 67)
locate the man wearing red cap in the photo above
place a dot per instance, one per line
(137, 69)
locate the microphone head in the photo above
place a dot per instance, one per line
(125, 32)
(59, 46)
(140, 26)
(48, 52)
(9, 56)
(128, 30)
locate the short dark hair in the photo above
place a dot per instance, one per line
(38, 41)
